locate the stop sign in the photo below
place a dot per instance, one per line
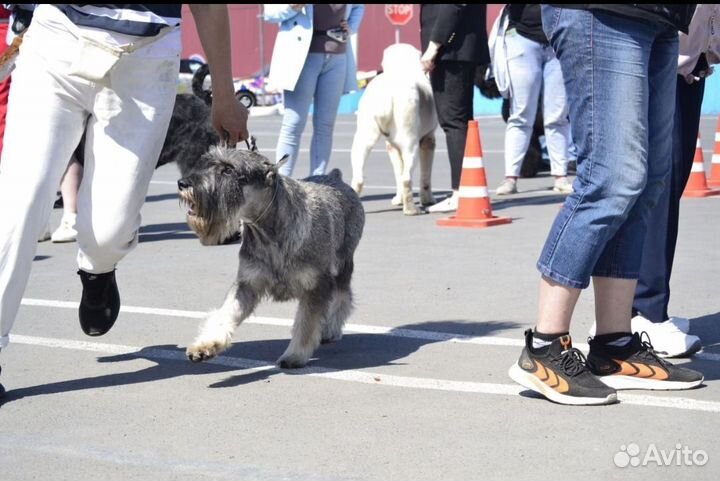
(399, 13)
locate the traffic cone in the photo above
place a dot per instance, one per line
(714, 179)
(474, 208)
(697, 184)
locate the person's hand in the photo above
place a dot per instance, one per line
(428, 58)
(229, 118)
(297, 6)
(344, 25)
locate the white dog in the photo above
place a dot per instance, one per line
(398, 104)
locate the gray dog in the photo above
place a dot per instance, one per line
(298, 242)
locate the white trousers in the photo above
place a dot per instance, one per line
(125, 119)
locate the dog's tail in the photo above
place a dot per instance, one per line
(197, 84)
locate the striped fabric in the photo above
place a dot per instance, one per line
(129, 19)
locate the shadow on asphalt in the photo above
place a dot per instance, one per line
(161, 197)
(354, 351)
(171, 231)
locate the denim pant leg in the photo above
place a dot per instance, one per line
(328, 91)
(619, 74)
(525, 70)
(555, 113)
(297, 105)
(652, 294)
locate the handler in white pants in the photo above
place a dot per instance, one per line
(124, 115)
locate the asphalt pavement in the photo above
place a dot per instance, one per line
(416, 390)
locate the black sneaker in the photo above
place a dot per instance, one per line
(100, 303)
(638, 366)
(558, 372)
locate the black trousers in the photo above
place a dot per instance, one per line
(453, 89)
(652, 295)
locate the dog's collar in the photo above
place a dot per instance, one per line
(267, 208)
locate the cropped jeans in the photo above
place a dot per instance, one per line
(321, 84)
(620, 81)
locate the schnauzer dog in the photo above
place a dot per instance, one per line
(298, 238)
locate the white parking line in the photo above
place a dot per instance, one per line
(434, 336)
(362, 377)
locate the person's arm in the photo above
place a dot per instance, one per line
(229, 116)
(356, 15)
(443, 31)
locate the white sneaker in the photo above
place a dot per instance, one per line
(667, 339)
(563, 186)
(45, 234)
(450, 204)
(66, 231)
(509, 186)
(682, 323)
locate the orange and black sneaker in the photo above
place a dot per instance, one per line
(559, 373)
(636, 365)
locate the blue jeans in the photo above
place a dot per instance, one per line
(321, 81)
(620, 80)
(533, 69)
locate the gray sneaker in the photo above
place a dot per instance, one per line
(509, 186)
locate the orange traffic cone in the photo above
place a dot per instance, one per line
(697, 184)
(474, 208)
(714, 179)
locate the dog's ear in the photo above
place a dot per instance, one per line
(273, 169)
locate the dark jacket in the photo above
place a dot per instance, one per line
(674, 14)
(459, 28)
(527, 20)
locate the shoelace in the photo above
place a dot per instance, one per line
(572, 362)
(648, 351)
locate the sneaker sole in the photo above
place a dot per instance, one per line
(630, 382)
(529, 381)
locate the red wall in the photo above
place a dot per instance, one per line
(375, 34)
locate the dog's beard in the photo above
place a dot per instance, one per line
(210, 229)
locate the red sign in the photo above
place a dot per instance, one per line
(399, 13)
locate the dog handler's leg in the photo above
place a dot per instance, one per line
(217, 330)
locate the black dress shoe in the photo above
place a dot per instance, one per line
(100, 303)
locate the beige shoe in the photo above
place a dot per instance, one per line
(66, 231)
(563, 186)
(509, 186)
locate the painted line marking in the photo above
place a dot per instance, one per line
(434, 336)
(362, 377)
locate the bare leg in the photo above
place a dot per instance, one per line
(70, 185)
(613, 304)
(556, 306)
(217, 331)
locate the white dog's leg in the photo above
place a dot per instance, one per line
(217, 331)
(409, 154)
(427, 152)
(366, 135)
(306, 332)
(397, 164)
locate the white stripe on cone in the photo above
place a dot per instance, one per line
(698, 167)
(473, 192)
(473, 163)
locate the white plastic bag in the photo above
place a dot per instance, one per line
(498, 53)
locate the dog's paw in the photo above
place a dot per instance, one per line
(427, 199)
(357, 186)
(413, 209)
(204, 350)
(292, 361)
(397, 200)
